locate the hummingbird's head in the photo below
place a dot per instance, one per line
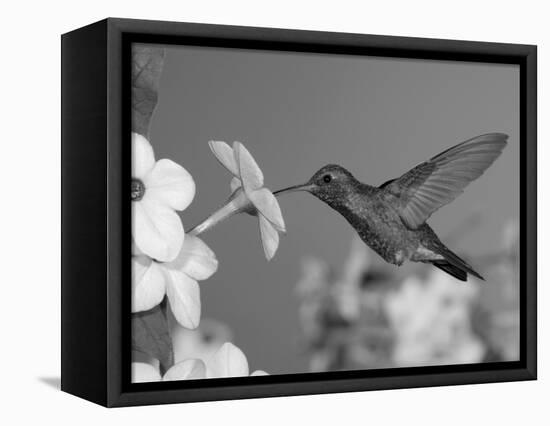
(330, 183)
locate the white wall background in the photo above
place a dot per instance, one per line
(30, 200)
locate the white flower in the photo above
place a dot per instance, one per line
(227, 361)
(249, 195)
(200, 343)
(190, 369)
(158, 190)
(209, 343)
(177, 280)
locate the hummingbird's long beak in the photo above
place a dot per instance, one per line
(304, 187)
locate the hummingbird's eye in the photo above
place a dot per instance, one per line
(327, 178)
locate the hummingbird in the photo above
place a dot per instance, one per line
(391, 218)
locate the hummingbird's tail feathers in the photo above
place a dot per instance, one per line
(445, 266)
(453, 264)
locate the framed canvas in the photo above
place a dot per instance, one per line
(309, 212)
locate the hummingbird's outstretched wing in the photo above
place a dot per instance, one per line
(438, 181)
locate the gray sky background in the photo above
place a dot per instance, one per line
(296, 112)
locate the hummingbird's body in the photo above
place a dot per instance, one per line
(391, 218)
(377, 222)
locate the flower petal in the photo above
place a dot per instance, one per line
(157, 229)
(190, 369)
(143, 157)
(195, 258)
(184, 296)
(228, 361)
(170, 184)
(266, 203)
(148, 286)
(259, 373)
(270, 237)
(235, 184)
(224, 153)
(135, 249)
(250, 173)
(143, 373)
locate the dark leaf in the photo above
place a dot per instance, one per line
(150, 336)
(147, 65)
(150, 332)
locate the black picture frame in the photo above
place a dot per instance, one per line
(96, 210)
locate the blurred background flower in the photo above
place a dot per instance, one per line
(366, 314)
(431, 322)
